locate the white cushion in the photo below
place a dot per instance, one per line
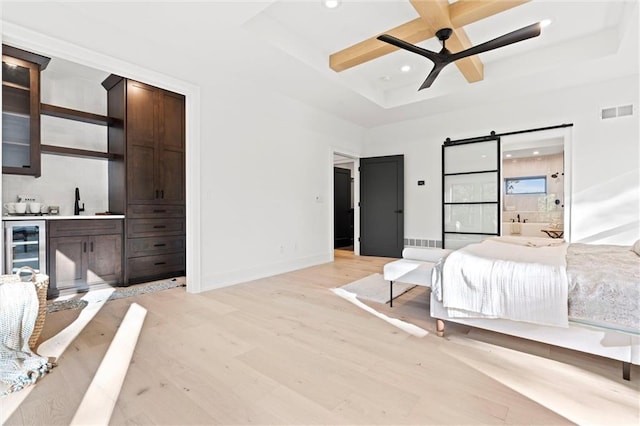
(424, 254)
(409, 271)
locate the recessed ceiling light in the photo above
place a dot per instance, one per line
(405, 68)
(536, 152)
(545, 23)
(508, 155)
(331, 4)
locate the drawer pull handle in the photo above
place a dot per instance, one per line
(159, 211)
(159, 226)
(160, 263)
(159, 245)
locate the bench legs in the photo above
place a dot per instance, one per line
(391, 294)
(626, 370)
(440, 327)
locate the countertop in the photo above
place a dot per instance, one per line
(56, 217)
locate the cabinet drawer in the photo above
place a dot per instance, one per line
(155, 227)
(154, 245)
(153, 266)
(136, 211)
(77, 227)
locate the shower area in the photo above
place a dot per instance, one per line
(533, 182)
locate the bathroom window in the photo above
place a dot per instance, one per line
(526, 185)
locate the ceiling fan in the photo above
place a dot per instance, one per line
(445, 57)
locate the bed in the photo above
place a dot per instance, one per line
(579, 296)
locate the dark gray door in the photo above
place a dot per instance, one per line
(342, 211)
(382, 206)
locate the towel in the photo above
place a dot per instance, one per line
(19, 366)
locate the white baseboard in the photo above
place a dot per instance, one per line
(228, 278)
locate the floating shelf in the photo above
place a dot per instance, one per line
(72, 114)
(74, 152)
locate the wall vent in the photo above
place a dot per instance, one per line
(613, 112)
(625, 110)
(415, 242)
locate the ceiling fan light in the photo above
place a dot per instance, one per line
(331, 4)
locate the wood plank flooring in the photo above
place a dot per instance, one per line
(286, 350)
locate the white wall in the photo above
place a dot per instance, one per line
(266, 182)
(605, 156)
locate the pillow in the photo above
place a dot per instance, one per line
(636, 247)
(424, 254)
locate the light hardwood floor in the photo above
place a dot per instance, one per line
(286, 350)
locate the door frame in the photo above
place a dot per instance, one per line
(355, 160)
(530, 139)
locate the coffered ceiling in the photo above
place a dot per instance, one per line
(285, 45)
(581, 32)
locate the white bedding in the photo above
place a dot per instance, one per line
(502, 278)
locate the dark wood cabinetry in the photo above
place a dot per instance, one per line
(21, 111)
(147, 176)
(83, 252)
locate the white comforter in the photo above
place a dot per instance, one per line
(516, 279)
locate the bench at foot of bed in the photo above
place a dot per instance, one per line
(414, 267)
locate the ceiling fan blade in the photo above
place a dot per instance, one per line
(433, 56)
(432, 75)
(525, 33)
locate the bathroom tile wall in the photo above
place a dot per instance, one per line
(535, 207)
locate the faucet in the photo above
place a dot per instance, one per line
(518, 214)
(76, 208)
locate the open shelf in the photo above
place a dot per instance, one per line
(72, 114)
(15, 86)
(74, 152)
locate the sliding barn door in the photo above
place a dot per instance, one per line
(470, 191)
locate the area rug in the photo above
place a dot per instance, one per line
(118, 293)
(375, 288)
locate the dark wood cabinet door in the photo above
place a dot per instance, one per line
(142, 109)
(171, 177)
(170, 174)
(67, 264)
(20, 116)
(141, 179)
(172, 121)
(105, 259)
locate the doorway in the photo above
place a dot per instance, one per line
(342, 208)
(535, 185)
(344, 169)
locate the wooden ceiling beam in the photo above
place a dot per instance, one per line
(413, 31)
(461, 13)
(435, 13)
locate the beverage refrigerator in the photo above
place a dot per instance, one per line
(25, 242)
